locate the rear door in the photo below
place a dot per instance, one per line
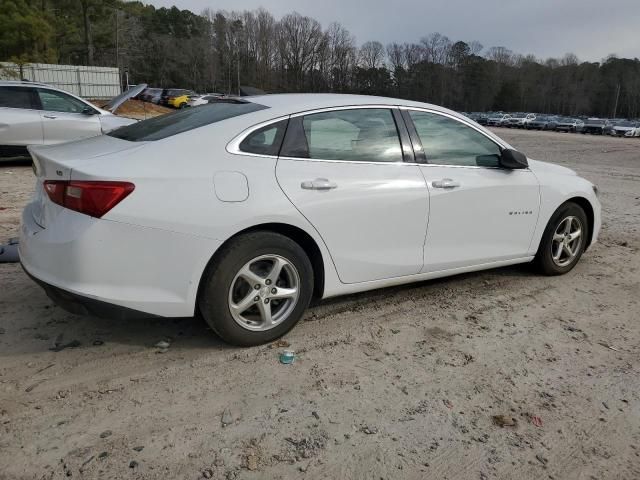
(479, 212)
(344, 171)
(20, 122)
(63, 118)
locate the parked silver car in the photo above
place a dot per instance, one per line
(38, 114)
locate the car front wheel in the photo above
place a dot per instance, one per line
(256, 289)
(563, 241)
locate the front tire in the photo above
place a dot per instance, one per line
(563, 241)
(256, 289)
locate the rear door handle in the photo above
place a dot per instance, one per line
(50, 116)
(318, 184)
(445, 183)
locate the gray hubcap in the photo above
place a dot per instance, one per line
(567, 240)
(264, 292)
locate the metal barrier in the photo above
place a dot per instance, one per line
(84, 81)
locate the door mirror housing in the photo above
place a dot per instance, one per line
(89, 111)
(513, 159)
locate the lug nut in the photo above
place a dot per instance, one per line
(257, 286)
(268, 282)
(274, 291)
(266, 300)
(256, 298)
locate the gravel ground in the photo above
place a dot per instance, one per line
(397, 383)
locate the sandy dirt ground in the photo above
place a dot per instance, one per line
(397, 383)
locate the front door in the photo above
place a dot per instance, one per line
(344, 171)
(479, 212)
(63, 119)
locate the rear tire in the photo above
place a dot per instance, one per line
(563, 241)
(256, 289)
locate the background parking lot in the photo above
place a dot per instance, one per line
(397, 383)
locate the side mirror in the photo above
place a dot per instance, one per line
(89, 111)
(513, 159)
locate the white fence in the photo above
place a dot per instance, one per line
(88, 82)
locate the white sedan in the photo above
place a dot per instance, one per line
(39, 114)
(248, 210)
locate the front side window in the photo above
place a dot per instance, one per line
(360, 135)
(183, 120)
(16, 97)
(53, 101)
(265, 140)
(449, 142)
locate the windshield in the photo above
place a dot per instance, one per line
(594, 121)
(183, 120)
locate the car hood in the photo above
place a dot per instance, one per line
(544, 167)
(115, 102)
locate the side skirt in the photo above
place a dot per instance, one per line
(345, 289)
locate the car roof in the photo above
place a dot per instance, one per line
(288, 103)
(26, 83)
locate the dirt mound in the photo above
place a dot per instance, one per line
(137, 109)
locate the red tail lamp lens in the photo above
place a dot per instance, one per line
(94, 198)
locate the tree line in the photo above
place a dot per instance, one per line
(219, 51)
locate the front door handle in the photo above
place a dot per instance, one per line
(318, 184)
(50, 116)
(445, 183)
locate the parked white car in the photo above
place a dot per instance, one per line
(38, 114)
(633, 133)
(248, 210)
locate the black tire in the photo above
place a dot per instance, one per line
(213, 298)
(544, 261)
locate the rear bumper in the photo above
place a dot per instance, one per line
(81, 305)
(102, 264)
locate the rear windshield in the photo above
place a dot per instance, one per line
(183, 120)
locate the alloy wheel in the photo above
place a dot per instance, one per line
(567, 240)
(264, 292)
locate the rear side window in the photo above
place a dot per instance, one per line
(266, 140)
(358, 135)
(183, 120)
(16, 97)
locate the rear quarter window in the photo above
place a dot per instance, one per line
(183, 120)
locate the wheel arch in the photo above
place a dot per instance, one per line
(588, 210)
(296, 234)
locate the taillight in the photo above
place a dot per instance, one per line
(92, 198)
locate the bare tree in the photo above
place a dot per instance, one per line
(371, 55)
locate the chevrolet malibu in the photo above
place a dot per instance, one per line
(248, 210)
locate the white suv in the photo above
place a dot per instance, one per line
(38, 114)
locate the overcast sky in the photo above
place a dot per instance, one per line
(592, 29)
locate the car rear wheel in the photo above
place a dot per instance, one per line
(256, 289)
(563, 241)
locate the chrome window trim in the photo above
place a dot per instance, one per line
(233, 147)
(347, 161)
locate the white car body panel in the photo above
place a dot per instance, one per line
(150, 251)
(59, 127)
(20, 126)
(500, 228)
(363, 235)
